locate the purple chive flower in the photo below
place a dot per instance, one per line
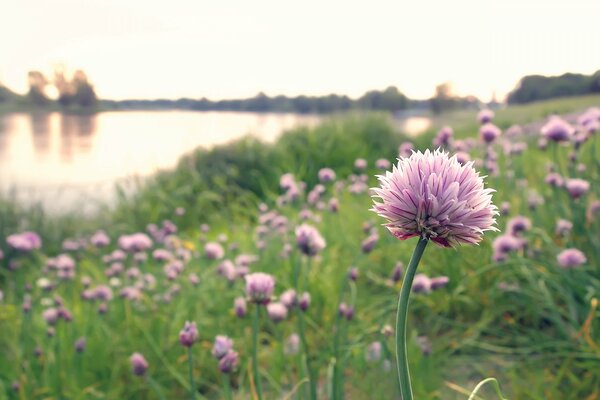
(179, 211)
(213, 251)
(517, 225)
(373, 353)
(229, 362)
(563, 227)
(570, 258)
(326, 175)
(80, 345)
(139, 365)
(346, 311)
(100, 239)
(369, 243)
(259, 287)
(334, 204)
(577, 187)
(489, 132)
(439, 282)
(353, 273)
(505, 208)
(25, 242)
(288, 298)
(505, 244)
(50, 315)
(189, 334)
(554, 179)
(557, 130)
(277, 311)
(405, 149)
(431, 195)
(304, 301)
(397, 272)
(135, 243)
(443, 137)
(360, 164)
(309, 240)
(221, 346)
(240, 307)
(485, 116)
(421, 284)
(382, 163)
(462, 157)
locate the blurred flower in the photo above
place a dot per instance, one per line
(26, 241)
(570, 258)
(577, 187)
(277, 311)
(397, 272)
(239, 305)
(443, 138)
(518, 225)
(489, 133)
(373, 353)
(353, 273)
(369, 243)
(135, 243)
(189, 334)
(433, 196)
(100, 239)
(405, 149)
(80, 345)
(229, 362)
(326, 175)
(438, 282)
(557, 130)
(484, 116)
(382, 163)
(259, 287)
(360, 164)
(554, 179)
(221, 346)
(309, 240)
(139, 365)
(213, 251)
(563, 227)
(304, 301)
(288, 298)
(421, 284)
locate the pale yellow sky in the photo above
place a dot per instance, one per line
(226, 49)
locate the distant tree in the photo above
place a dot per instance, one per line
(37, 88)
(76, 91)
(537, 87)
(444, 98)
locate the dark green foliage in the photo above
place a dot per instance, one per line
(538, 87)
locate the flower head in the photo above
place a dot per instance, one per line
(189, 334)
(139, 365)
(309, 240)
(577, 187)
(277, 311)
(229, 362)
(557, 130)
(222, 346)
(326, 175)
(570, 258)
(433, 196)
(259, 287)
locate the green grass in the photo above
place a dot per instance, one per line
(541, 339)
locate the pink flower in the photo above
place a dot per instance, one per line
(433, 196)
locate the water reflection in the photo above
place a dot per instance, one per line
(67, 160)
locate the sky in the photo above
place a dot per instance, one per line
(237, 48)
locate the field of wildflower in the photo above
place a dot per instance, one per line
(256, 271)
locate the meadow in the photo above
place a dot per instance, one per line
(77, 304)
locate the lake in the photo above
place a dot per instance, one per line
(68, 161)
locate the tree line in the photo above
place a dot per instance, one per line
(538, 87)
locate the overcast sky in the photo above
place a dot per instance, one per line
(226, 48)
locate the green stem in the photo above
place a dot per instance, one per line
(190, 368)
(255, 351)
(227, 386)
(155, 387)
(401, 317)
(483, 382)
(311, 376)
